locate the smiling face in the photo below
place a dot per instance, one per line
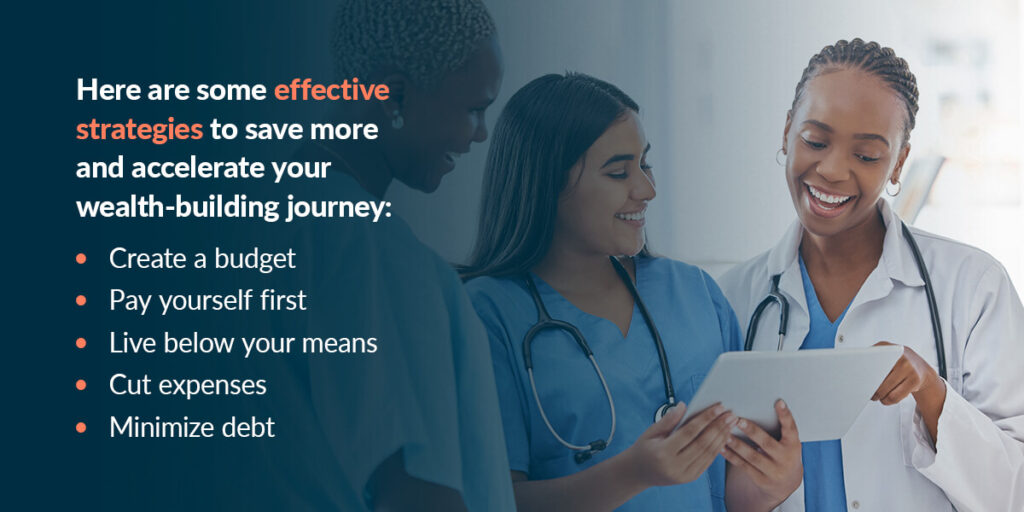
(441, 123)
(602, 209)
(844, 141)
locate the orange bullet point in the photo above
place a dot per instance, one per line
(80, 343)
(80, 258)
(80, 300)
(80, 384)
(80, 427)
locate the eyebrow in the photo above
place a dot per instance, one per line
(624, 157)
(859, 136)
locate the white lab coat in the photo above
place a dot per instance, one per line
(889, 461)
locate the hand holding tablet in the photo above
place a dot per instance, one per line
(824, 389)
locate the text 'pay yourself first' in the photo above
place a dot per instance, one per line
(242, 300)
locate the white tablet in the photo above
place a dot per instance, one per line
(826, 389)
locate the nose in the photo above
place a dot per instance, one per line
(643, 186)
(833, 167)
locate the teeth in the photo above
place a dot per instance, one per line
(630, 216)
(828, 198)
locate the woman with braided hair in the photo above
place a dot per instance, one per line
(849, 271)
(412, 424)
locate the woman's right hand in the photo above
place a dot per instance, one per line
(664, 455)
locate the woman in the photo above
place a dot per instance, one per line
(562, 232)
(848, 271)
(413, 425)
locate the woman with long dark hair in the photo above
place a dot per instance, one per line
(597, 344)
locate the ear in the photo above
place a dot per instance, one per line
(785, 132)
(398, 86)
(899, 163)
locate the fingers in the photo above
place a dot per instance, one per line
(699, 453)
(739, 462)
(749, 455)
(790, 434)
(664, 426)
(762, 439)
(896, 375)
(898, 393)
(695, 425)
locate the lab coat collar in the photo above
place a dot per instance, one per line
(897, 261)
(897, 257)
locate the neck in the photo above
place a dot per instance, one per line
(572, 271)
(858, 247)
(363, 160)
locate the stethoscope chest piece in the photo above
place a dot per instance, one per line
(663, 410)
(544, 322)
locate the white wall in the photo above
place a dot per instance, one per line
(714, 80)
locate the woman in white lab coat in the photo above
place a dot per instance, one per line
(849, 274)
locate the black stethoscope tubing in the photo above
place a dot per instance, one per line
(774, 296)
(545, 322)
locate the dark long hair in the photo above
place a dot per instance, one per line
(543, 131)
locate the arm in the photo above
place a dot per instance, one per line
(978, 454)
(394, 489)
(971, 444)
(661, 456)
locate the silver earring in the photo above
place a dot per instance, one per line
(899, 188)
(397, 121)
(777, 154)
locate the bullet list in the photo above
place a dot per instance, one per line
(80, 258)
(80, 384)
(80, 300)
(80, 343)
(80, 427)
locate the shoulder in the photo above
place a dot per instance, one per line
(496, 298)
(493, 288)
(667, 267)
(949, 259)
(686, 281)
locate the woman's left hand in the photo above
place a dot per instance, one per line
(775, 467)
(913, 375)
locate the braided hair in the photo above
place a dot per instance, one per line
(872, 58)
(425, 39)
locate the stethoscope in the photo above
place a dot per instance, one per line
(545, 322)
(774, 297)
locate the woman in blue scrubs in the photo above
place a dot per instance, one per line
(562, 230)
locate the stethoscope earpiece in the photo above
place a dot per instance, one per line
(592, 448)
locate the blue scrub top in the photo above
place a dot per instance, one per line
(696, 324)
(824, 489)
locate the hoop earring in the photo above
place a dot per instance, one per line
(397, 122)
(777, 153)
(899, 188)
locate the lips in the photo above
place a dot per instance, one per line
(827, 203)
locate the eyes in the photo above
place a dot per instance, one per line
(623, 174)
(818, 146)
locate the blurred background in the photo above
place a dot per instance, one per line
(714, 81)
